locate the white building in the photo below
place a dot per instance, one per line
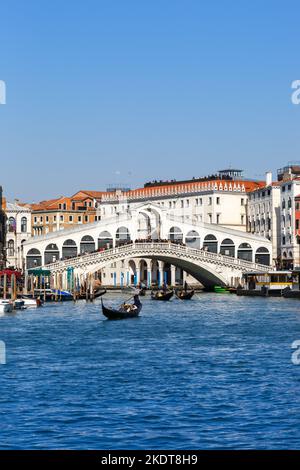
(18, 231)
(289, 241)
(264, 213)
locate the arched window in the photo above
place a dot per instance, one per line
(210, 243)
(105, 240)
(10, 248)
(33, 258)
(245, 252)
(227, 248)
(51, 253)
(122, 236)
(12, 224)
(192, 239)
(69, 249)
(24, 224)
(175, 235)
(87, 244)
(262, 256)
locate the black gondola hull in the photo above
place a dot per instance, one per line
(162, 295)
(115, 314)
(185, 295)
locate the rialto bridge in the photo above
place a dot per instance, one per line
(149, 245)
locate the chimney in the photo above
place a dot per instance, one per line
(268, 178)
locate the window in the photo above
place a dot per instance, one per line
(209, 201)
(54, 218)
(218, 218)
(297, 224)
(35, 220)
(218, 201)
(24, 225)
(79, 218)
(210, 218)
(187, 203)
(41, 219)
(47, 219)
(200, 201)
(11, 248)
(70, 218)
(182, 203)
(283, 240)
(242, 220)
(242, 201)
(61, 218)
(283, 189)
(86, 218)
(65, 206)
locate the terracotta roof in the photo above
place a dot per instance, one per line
(93, 194)
(249, 185)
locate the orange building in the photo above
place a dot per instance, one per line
(64, 212)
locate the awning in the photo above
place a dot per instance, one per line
(39, 272)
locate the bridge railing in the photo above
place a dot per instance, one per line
(153, 248)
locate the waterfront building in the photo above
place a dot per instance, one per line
(218, 199)
(2, 232)
(264, 217)
(289, 177)
(64, 212)
(18, 230)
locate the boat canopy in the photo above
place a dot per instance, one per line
(39, 272)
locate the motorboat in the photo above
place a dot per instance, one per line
(6, 306)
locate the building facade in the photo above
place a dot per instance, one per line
(264, 217)
(65, 212)
(18, 231)
(2, 231)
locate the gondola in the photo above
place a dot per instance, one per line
(183, 294)
(99, 293)
(124, 311)
(142, 292)
(162, 295)
(95, 295)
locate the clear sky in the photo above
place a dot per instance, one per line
(102, 92)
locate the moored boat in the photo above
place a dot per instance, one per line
(273, 284)
(6, 306)
(31, 303)
(126, 310)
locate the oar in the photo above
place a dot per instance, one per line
(127, 300)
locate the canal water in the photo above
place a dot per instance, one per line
(212, 373)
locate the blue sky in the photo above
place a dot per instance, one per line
(125, 91)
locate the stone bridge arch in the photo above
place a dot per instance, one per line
(202, 272)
